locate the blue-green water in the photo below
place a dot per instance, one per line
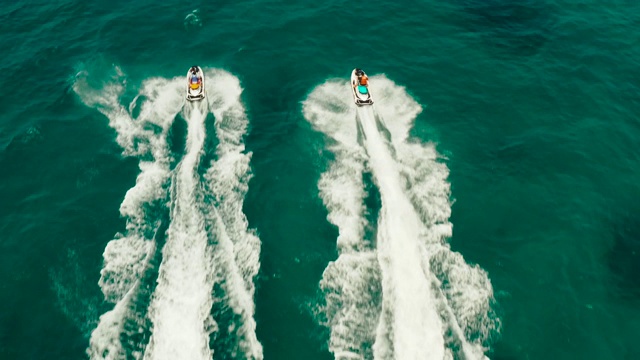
(524, 130)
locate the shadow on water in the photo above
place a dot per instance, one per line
(518, 27)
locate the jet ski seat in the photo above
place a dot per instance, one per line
(362, 89)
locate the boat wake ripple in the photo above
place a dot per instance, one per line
(409, 296)
(207, 239)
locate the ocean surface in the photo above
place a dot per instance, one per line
(486, 204)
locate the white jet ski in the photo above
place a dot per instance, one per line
(361, 94)
(195, 84)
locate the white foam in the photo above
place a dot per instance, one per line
(329, 109)
(181, 303)
(417, 328)
(124, 262)
(468, 294)
(133, 135)
(420, 318)
(349, 284)
(182, 300)
(425, 177)
(150, 187)
(126, 258)
(226, 182)
(105, 339)
(341, 187)
(342, 191)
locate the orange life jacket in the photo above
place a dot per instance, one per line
(364, 80)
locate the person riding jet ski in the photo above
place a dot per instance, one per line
(360, 85)
(362, 77)
(364, 80)
(195, 82)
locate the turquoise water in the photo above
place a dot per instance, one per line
(523, 118)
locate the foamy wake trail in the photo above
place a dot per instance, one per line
(465, 291)
(226, 183)
(434, 305)
(181, 304)
(416, 327)
(351, 283)
(127, 256)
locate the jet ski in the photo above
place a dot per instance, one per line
(195, 84)
(361, 94)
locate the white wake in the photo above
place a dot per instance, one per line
(350, 309)
(406, 284)
(420, 318)
(208, 239)
(226, 184)
(181, 305)
(127, 256)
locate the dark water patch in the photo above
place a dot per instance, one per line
(382, 128)
(27, 169)
(518, 27)
(31, 136)
(361, 137)
(386, 135)
(136, 106)
(9, 11)
(623, 259)
(58, 180)
(502, 351)
(30, 318)
(297, 241)
(153, 128)
(51, 246)
(177, 139)
(76, 293)
(524, 153)
(28, 27)
(224, 340)
(373, 204)
(211, 143)
(63, 101)
(51, 67)
(121, 33)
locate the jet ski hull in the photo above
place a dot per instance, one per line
(361, 94)
(198, 93)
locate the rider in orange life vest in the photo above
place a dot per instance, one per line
(364, 80)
